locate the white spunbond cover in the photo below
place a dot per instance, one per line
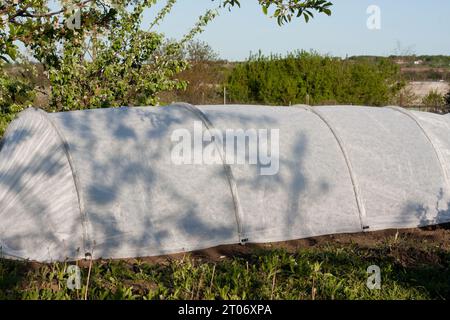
(104, 181)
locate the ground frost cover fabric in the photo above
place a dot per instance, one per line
(104, 181)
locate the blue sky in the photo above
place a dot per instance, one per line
(414, 26)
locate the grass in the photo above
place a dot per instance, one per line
(409, 270)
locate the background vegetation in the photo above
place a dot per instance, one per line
(197, 75)
(309, 78)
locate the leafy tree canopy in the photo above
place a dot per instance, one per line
(285, 10)
(95, 53)
(38, 25)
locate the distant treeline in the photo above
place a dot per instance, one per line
(307, 77)
(417, 68)
(426, 74)
(436, 61)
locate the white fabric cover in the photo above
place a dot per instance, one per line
(102, 181)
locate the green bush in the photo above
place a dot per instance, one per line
(16, 93)
(303, 77)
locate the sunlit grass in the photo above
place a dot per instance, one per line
(329, 272)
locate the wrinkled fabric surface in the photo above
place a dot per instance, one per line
(103, 181)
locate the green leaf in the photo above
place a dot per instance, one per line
(306, 16)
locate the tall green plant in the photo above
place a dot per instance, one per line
(94, 53)
(125, 64)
